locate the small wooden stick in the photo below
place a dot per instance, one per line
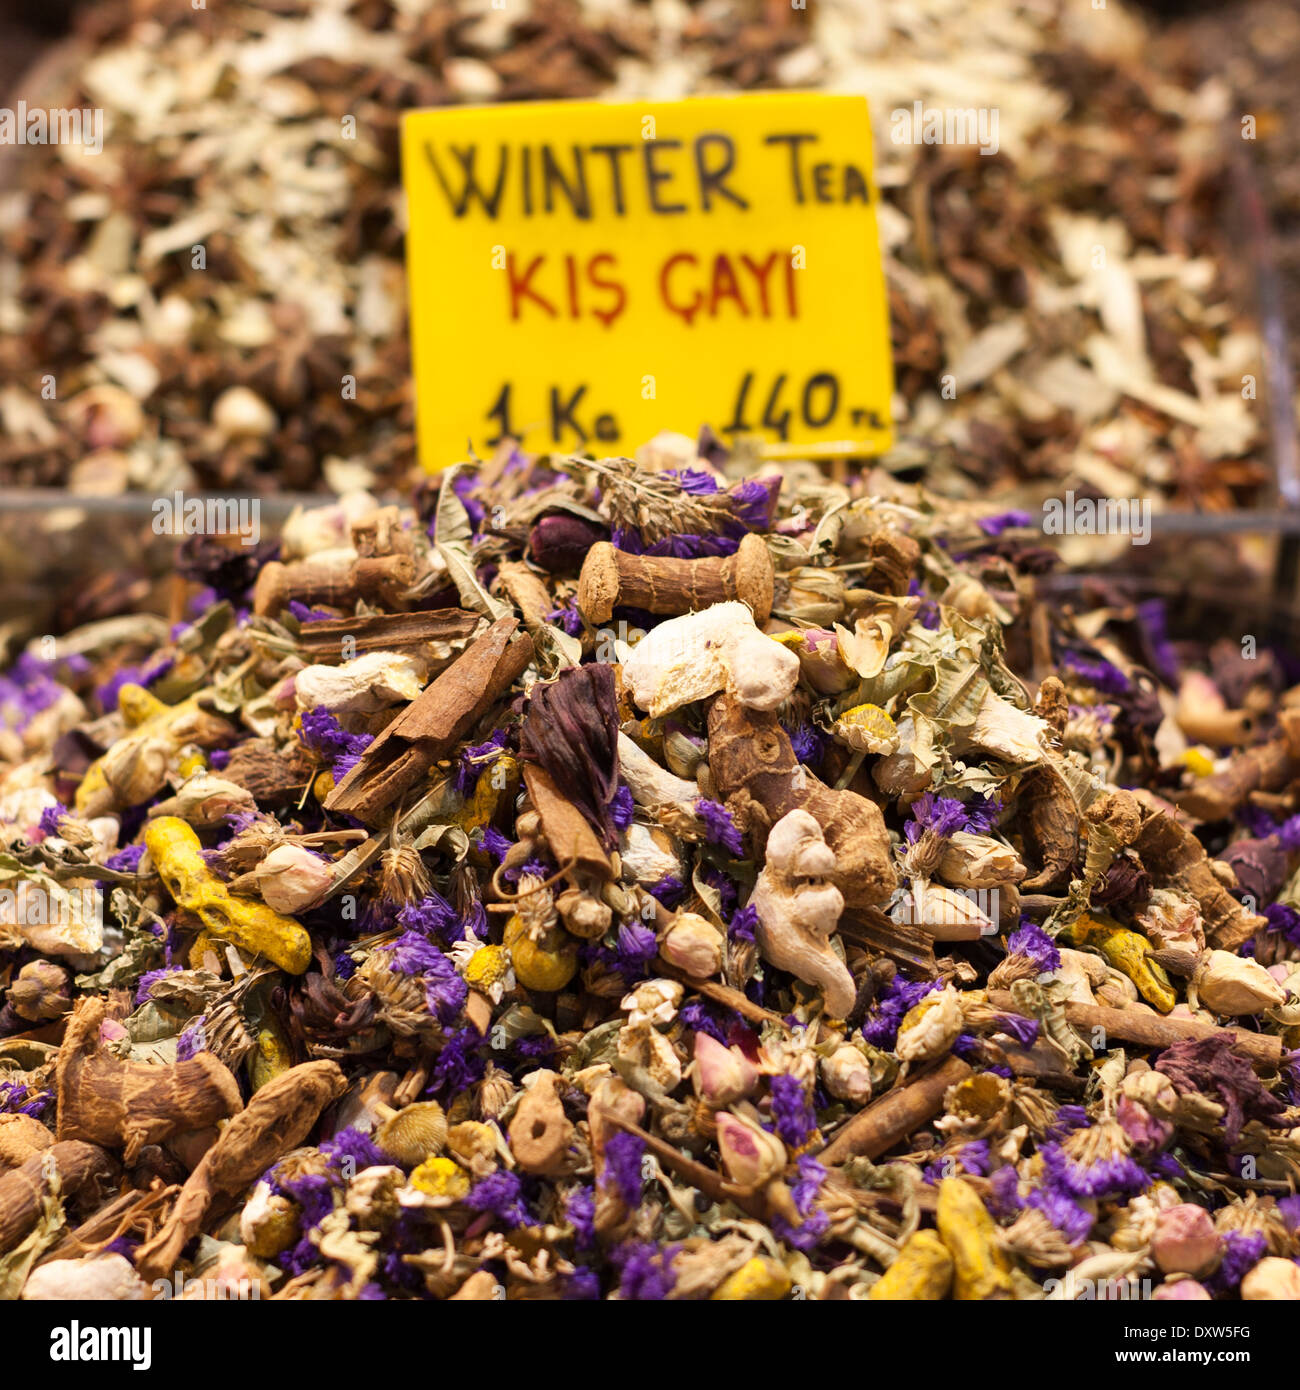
(1150, 1030)
(612, 578)
(311, 581)
(895, 1115)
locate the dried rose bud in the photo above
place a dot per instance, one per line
(559, 542)
(1181, 1291)
(135, 768)
(751, 1155)
(683, 750)
(1230, 984)
(820, 664)
(1148, 1134)
(1185, 1241)
(1272, 1279)
(655, 1001)
(239, 413)
(813, 596)
(847, 1075)
(693, 945)
(930, 1028)
(40, 992)
(291, 878)
(968, 860)
(722, 1075)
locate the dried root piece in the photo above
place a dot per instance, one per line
(752, 761)
(250, 925)
(540, 1132)
(278, 1118)
(1175, 858)
(82, 1170)
(798, 911)
(131, 1104)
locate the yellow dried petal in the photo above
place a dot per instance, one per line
(756, 1281)
(441, 1177)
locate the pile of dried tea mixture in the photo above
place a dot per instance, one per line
(649, 880)
(219, 295)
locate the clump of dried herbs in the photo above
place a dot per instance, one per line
(934, 937)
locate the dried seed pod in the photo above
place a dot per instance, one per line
(412, 1134)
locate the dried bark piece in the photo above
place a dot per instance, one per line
(82, 1170)
(1175, 858)
(322, 641)
(1050, 821)
(278, 1118)
(131, 1104)
(338, 584)
(431, 724)
(274, 778)
(571, 840)
(895, 1115)
(752, 761)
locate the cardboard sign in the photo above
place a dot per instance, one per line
(584, 275)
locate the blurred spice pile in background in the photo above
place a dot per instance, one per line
(225, 128)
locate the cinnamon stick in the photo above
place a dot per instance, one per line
(895, 1115)
(442, 714)
(323, 641)
(1150, 1030)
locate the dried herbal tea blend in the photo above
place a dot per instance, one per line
(655, 879)
(219, 294)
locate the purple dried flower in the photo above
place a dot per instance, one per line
(940, 814)
(889, 1010)
(1072, 1220)
(637, 945)
(460, 1063)
(1118, 1175)
(793, 1116)
(1004, 521)
(192, 1041)
(50, 817)
(808, 744)
(17, 1098)
(1005, 1200)
(1242, 1251)
(580, 1212)
(477, 758)
(1099, 673)
(1029, 939)
(753, 502)
(719, 828)
(1024, 1030)
(646, 1273)
(125, 861)
(499, 1193)
(743, 924)
(623, 1153)
(669, 890)
(150, 978)
(582, 1285)
(432, 916)
(622, 807)
(353, 1146)
(694, 481)
(567, 618)
(413, 954)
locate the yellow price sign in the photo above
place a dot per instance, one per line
(586, 274)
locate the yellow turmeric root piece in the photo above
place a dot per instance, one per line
(252, 926)
(980, 1269)
(1129, 952)
(922, 1272)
